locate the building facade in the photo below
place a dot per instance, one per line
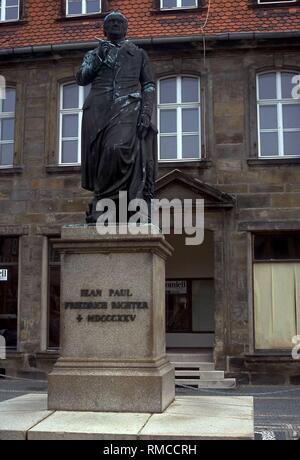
(228, 115)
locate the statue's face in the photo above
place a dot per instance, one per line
(115, 27)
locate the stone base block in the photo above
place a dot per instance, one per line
(137, 390)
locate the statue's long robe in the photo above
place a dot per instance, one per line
(114, 159)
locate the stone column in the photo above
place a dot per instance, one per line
(113, 352)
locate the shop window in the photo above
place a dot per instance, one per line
(9, 274)
(190, 306)
(276, 275)
(53, 297)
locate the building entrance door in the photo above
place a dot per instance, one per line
(190, 313)
(190, 294)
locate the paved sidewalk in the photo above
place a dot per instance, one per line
(276, 408)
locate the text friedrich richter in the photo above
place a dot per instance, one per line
(117, 304)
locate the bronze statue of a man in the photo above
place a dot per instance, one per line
(118, 138)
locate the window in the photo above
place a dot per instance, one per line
(53, 297)
(276, 275)
(7, 128)
(9, 259)
(278, 115)
(82, 7)
(179, 118)
(178, 4)
(190, 306)
(9, 10)
(270, 2)
(71, 102)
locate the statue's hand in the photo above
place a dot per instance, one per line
(143, 125)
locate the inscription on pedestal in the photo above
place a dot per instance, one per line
(110, 306)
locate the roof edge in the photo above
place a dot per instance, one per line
(230, 36)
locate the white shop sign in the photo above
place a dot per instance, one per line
(176, 287)
(3, 274)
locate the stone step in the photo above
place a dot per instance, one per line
(215, 384)
(190, 357)
(206, 375)
(196, 365)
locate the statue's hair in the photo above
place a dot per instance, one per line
(115, 13)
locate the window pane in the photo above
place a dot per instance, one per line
(292, 143)
(168, 121)
(6, 154)
(168, 148)
(268, 117)
(267, 86)
(54, 306)
(190, 147)
(70, 96)
(190, 89)
(69, 151)
(203, 305)
(285, 246)
(9, 102)
(75, 6)
(92, 6)
(70, 126)
(178, 311)
(287, 85)
(291, 116)
(12, 13)
(190, 120)
(169, 3)
(269, 144)
(12, 2)
(168, 91)
(186, 3)
(7, 129)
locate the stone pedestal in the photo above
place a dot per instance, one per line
(113, 352)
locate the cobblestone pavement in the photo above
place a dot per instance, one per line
(276, 408)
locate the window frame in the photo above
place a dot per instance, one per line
(178, 106)
(3, 10)
(9, 115)
(276, 2)
(178, 6)
(83, 9)
(279, 102)
(74, 111)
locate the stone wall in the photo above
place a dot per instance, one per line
(37, 197)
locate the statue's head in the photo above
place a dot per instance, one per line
(115, 26)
